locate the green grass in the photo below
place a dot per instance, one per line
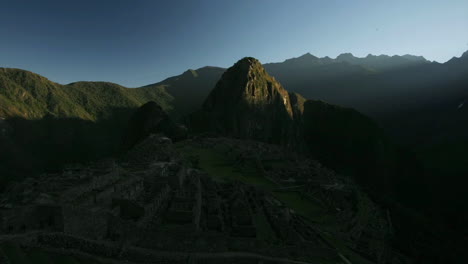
(303, 206)
(221, 168)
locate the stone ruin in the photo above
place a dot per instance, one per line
(153, 201)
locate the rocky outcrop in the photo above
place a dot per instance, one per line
(151, 119)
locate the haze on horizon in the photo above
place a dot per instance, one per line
(142, 42)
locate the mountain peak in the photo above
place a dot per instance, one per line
(249, 80)
(246, 65)
(345, 56)
(305, 59)
(190, 73)
(249, 103)
(414, 58)
(307, 55)
(248, 60)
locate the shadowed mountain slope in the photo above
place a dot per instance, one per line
(150, 119)
(189, 89)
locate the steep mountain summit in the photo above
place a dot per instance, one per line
(248, 81)
(248, 103)
(346, 57)
(304, 59)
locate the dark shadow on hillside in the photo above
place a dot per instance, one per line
(353, 145)
(29, 147)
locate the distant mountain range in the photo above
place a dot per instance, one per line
(374, 85)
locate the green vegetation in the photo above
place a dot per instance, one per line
(31, 96)
(303, 205)
(221, 166)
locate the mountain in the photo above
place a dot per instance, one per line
(189, 89)
(332, 80)
(31, 96)
(382, 62)
(377, 86)
(149, 119)
(248, 103)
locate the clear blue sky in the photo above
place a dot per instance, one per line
(134, 43)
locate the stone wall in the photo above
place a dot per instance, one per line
(153, 209)
(65, 241)
(198, 203)
(30, 218)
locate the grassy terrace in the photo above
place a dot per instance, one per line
(221, 167)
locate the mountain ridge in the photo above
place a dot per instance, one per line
(188, 90)
(32, 96)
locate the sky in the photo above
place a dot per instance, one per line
(134, 43)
